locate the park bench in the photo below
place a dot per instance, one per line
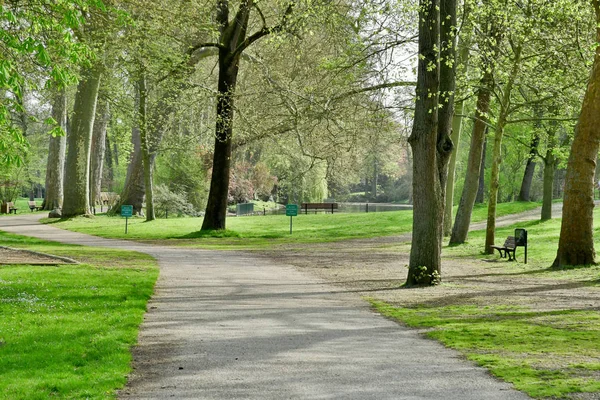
(10, 207)
(34, 207)
(511, 243)
(319, 206)
(508, 248)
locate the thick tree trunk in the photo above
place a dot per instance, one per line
(134, 189)
(56, 156)
(576, 243)
(233, 40)
(216, 208)
(147, 160)
(430, 141)
(480, 198)
(77, 173)
(98, 151)
(467, 199)
(490, 232)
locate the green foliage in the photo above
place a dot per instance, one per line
(171, 203)
(421, 276)
(54, 321)
(37, 37)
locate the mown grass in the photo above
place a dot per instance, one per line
(256, 232)
(66, 331)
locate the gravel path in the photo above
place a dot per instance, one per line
(229, 325)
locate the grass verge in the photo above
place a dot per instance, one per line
(67, 331)
(552, 354)
(258, 232)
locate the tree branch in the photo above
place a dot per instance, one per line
(264, 31)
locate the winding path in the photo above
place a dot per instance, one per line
(229, 325)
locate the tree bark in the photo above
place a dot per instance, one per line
(576, 243)
(55, 166)
(147, 161)
(98, 151)
(490, 233)
(77, 172)
(430, 140)
(467, 199)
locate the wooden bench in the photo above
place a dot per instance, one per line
(508, 248)
(319, 206)
(10, 206)
(34, 207)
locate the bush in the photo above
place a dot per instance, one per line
(166, 201)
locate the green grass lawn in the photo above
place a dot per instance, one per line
(262, 231)
(67, 331)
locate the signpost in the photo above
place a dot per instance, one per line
(291, 210)
(126, 211)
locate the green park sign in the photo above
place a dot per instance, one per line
(126, 211)
(291, 210)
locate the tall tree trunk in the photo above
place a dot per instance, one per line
(109, 171)
(490, 233)
(98, 151)
(445, 145)
(134, 189)
(457, 126)
(430, 139)
(146, 158)
(467, 199)
(233, 36)
(375, 176)
(216, 208)
(549, 170)
(525, 192)
(55, 166)
(576, 243)
(549, 166)
(77, 173)
(456, 132)
(479, 199)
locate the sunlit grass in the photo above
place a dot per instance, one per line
(66, 331)
(545, 354)
(263, 231)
